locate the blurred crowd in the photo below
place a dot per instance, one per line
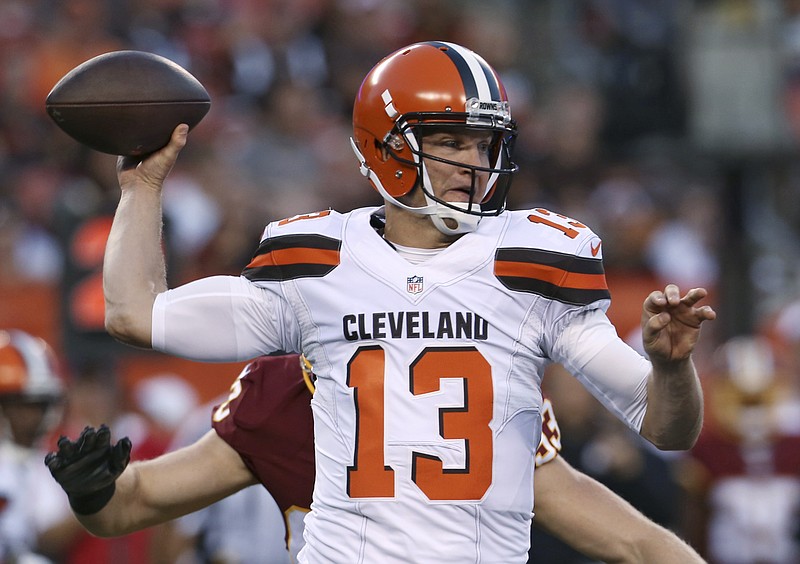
(620, 107)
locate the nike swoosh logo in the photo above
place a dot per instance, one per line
(596, 249)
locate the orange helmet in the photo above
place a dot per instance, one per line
(28, 368)
(432, 84)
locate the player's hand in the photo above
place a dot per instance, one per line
(671, 323)
(88, 468)
(154, 168)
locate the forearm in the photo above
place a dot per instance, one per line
(674, 415)
(608, 529)
(137, 504)
(133, 269)
(665, 547)
(177, 483)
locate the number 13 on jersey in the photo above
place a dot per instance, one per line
(370, 476)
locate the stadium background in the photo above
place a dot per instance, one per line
(668, 126)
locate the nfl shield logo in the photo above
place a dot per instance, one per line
(414, 284)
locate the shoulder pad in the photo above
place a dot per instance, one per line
(551, 255)
(544, 229)
(327, 222)
(303, 246)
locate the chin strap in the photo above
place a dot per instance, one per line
(464, 222)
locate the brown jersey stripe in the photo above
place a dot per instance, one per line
(289, 257)
(573, 263)
(562, 277)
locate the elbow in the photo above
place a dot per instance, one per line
(627, 551)
(673, 444)
(104, 532)
(673, 439)
(103, 525)
(125, 326)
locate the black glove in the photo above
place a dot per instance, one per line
(88, 468)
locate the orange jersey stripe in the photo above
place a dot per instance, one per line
(296, 255)
(556, 276)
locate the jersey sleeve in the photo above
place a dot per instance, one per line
(267, 419)
(222, 318)
(614, 373)
(550, 443)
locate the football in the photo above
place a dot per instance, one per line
(126, 102)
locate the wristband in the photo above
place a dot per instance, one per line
(89, 504)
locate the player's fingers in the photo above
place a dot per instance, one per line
(706, 313)
(655, 324)
(656, 297)
(672, 294)
(66, 448)
(121, 455)
(102, 437)
(87, 440)
(156, 167)
(177, 141)
(654, 303)
(693, 296)
(53, 461)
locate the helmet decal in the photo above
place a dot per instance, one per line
(478, 78)
(390, 109)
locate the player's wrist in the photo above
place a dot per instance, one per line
(90, 503)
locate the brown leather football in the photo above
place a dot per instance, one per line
(126, 102)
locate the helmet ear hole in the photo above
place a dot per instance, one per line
(381, 152)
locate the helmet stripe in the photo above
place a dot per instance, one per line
(478, 79)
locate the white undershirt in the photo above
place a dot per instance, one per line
(415, 255)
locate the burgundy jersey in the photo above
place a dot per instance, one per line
(267, 419)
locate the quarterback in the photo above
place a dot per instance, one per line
(429, 321)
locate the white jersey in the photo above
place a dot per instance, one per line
(428, 399)
(31, 502)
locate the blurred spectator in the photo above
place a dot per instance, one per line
(682, 248)
(35, 520)
(161, 404)
(743, 475)
(566, 158)
(626, 50)
(36, 254)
